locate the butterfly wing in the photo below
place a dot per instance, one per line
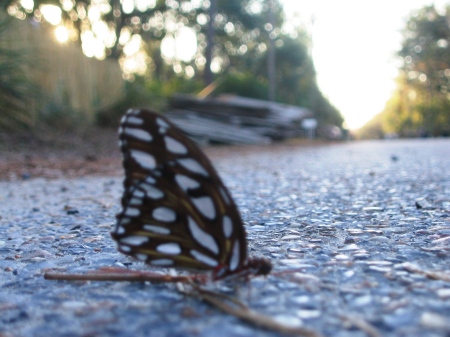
(175, 209)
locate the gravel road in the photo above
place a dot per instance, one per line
(366, 226)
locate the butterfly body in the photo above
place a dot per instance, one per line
(176, 212)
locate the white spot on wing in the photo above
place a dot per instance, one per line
(227, 226)
(134, 120)
(162, 123)
(134, 240)
(132, 211)
(234, 261)
(144, 159)
(193, 166)
(185, 182)
(125, 249)
(157, 229)
(164, 214)
(124, 221)
(202, 237)
(141, 257)
(169, 248)
(224, 196)
(203, 258)
(138, 134)
(120, 230)
(150, 180)
(152, 191)
(206, 206)
(138, 194)
(175, 146)
(163, 126)
(161, 262)
(135, 201)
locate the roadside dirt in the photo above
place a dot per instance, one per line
(91, 152)
(56, 155)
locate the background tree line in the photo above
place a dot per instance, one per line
(420, 105)
(134, 33)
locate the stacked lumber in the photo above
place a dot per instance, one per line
(236, 120)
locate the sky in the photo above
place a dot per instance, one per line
(354, 46)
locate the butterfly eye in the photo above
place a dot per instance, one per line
(175, 209)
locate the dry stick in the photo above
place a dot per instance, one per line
(100, 202)
(434, 275)
(363, 325)
(118, 277)
(245, 313)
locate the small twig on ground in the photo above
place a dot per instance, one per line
(228, 304)
(362, 324)
(240, 310)
(434, 275)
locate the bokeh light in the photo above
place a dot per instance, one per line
(51, 13)
(62, 34)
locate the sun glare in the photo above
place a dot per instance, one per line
(28, 5)
(168, 47)
(62, 34)
(52, 14)
(127, 6)
(133, 45)
(97, 36)
(354, 53)
(67, 4)
(92, 47)
(143, 5)
(186, 44)
(182, 47)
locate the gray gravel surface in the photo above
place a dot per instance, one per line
(366, 226)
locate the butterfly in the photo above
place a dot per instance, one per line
(176, 212)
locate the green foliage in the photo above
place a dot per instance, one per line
(239, 30)
(435, 118)
(168, 88)
(296, 75)
(325, 112)
(243, 84)
(242, 38)
(145, 92)
(425, 51)
(135, 95)
(420, 106)
(55, 112)
(16, 90)
(297, 83)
